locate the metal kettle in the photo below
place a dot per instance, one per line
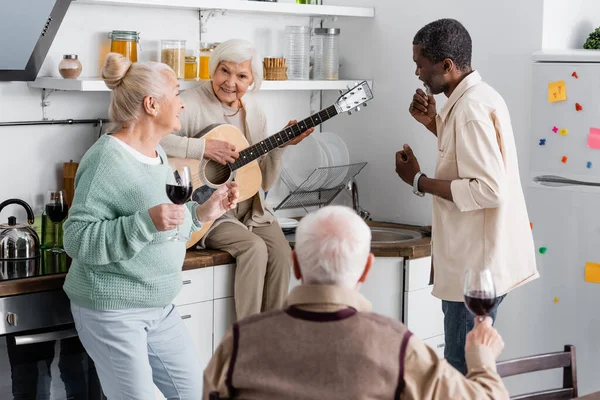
(18, 241)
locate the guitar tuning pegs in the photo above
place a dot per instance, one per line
(364, 105)
(349, 112)
(341, 91)
(357, 108)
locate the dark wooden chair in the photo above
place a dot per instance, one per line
(541, 362)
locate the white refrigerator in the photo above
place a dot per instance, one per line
(563, 200)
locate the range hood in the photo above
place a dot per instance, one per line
(27, 29)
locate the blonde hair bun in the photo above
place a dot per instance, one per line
(115, 68)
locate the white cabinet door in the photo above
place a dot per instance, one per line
(224, 278)
(224, 317)
(198, 319)
(423, 313)
(197, 286)
(417, 273)
(383, 287)
(437, 343)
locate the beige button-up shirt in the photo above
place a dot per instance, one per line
(426, 376)
(487, 224)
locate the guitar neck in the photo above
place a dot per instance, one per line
(282, 137)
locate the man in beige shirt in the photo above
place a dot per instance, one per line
(479, 214)
(326, 344)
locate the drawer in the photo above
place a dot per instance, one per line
(437, 343)
(416, 273)
(224, 277)
(423, 313)
(197, 286)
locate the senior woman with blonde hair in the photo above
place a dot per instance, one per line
(250, 233)
(125, 272)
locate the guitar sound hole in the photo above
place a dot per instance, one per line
(216, 174)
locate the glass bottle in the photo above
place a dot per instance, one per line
(191, 67)
(205, 52)
(70, 67)
(172, 53)
(297, 52)
(326, 58)
(125, 43)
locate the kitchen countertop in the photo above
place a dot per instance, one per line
(207, 258)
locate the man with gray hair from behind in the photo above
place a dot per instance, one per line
(326, 344)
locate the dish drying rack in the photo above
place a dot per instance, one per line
(320, 188)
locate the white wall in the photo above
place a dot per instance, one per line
(568, 23)
(32, 156)
(384, 51)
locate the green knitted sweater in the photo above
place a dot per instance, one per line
(119, 258)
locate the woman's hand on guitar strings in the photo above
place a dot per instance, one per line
(299, 138)
(222, 200)
(220, 151)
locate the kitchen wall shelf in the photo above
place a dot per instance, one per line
(262, 7)
(98, 85)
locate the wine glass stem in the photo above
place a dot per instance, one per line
(56, 236)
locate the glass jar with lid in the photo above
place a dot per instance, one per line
(125, 43)
(206, 50)
(326, 57)
(191, 67)
(172, 53)
(70, 67)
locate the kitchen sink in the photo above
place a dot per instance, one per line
(381, 235)
(393, 235)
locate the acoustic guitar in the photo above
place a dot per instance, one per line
(209, 175)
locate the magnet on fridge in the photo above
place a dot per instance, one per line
(563, 132)
(589, 164)
(592, 272)
(543, 250)
(555, 300)
(542, 142)
(531, 225)
(574, 75)
(564, 159)
(578, 107)
(555, 129)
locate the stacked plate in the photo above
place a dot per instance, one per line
(324, 149)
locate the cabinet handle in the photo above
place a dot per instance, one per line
(187, 282)
(186, 316)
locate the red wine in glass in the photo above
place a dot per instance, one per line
(179, 191)
(179, 194)
(479, 292)
(479, 302)
(56, 210)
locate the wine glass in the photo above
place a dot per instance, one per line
(179, 191)
(480, 292)
(56, 210)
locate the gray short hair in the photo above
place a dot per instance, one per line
(332, 246)
(445, 38)
(237, 51)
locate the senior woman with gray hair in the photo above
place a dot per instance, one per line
(250, 233)
(326, 344)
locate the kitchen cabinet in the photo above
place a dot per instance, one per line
(198, 319)
(422, 311)
(223, 318)
(383, 287)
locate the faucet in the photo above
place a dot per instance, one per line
(353, 188)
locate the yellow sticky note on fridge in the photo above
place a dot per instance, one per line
(592, 272)
(557, 91)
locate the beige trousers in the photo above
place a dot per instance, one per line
(263, 258)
